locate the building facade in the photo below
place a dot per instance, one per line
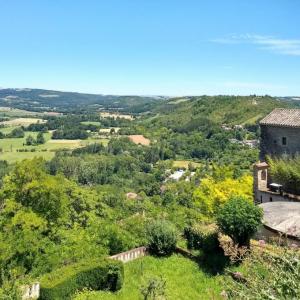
(280, 135)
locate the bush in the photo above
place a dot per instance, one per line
(162, 238)
(94, 275)
(202, 236)
(239, 219)
(268, 274)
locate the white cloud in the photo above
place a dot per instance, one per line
(270, 43)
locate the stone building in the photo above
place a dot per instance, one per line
(280, 133)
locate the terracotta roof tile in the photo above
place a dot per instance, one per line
(282, 117)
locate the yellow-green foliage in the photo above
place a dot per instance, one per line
(213, 192)
(93, 275)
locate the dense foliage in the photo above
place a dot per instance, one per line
(239, 219)
(112, 195)
(286, 171)
(94, 275)
(268, 274)
(162, 238)
(202, 236)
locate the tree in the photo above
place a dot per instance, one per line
(162, 238)
(30, 141)
(239, 219)
(17, 133)
(216, 190)
(40, 138)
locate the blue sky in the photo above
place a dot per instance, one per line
(152, 47)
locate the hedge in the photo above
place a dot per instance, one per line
(95, 275)
(202, 236)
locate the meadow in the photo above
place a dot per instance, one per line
(10, 146)
(184, 280)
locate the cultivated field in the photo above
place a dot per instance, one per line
(185, 164)
(139, 139)
(107, 130)
(115, 115)
(10, 146)
(22, 122)
(91, 123)
(14, 112)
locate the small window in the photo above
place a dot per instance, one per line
(263, 175)
(284, 140)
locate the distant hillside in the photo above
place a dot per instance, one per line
(41, 100)
(189, 113)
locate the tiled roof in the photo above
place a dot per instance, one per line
(283, 117)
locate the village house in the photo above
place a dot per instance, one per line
(280, 135)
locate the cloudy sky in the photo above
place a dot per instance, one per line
(157, 47)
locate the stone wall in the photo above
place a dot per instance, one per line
(271, 142)
(130, 255)
(268, 196)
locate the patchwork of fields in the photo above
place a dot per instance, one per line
(11, 146)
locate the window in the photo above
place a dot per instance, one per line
(284, 140)
(263, 175)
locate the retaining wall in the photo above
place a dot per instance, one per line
(130, 255)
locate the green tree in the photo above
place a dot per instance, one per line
(17, 133)
(162, 238)
(239, 219)
(29, 185)
(30, 141)
(40, 138)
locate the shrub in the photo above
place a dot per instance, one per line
(267, 275)
(94, 275)
(162, 238)
(202, 236)
(239, 219)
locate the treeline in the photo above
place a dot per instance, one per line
(15, 133)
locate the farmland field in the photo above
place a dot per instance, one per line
(139, 139)
(116, 115)
(10, 146)
(185, 164)
(22, 121)
(107, 130)
(14, 112)
(91, 123)
(184, 280)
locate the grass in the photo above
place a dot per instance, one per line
(185, 164)
(8, 129)
(184, 280)
(22, 121)
(10, 146)
(90, 123)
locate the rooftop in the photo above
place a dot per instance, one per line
(282, 117)
(283, 217)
